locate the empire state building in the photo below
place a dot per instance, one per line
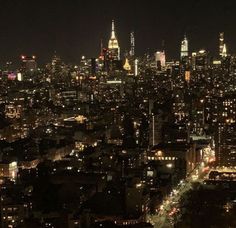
(113, 45)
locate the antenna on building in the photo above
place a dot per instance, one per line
(101, 48)
(163, 45)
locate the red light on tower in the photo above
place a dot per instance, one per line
(22, 57)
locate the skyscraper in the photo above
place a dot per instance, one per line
(200, 60)
(160, 59)
(221, 43)
(127, 66)
(132, 44)
(136, 67)
(184, 48)
(222, 46)
(113, 45)
(28, 63)
(224, 51)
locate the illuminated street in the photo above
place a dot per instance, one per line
(169, 210)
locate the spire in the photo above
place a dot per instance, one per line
(101, 56)
(113, 35)
(163, 45)
(113, 44)
(224, 51)
(127, 66)
(101, 47)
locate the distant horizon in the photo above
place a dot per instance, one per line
(75, 28)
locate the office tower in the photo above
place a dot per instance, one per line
(135, 67)
(113, 45)
(132, 44)
(221, 44)
(184, 48)
(226, 130)
(200, 60)
(28, 63)
(224, 51)
(93, 67)
(160, 59)
(156, 128)
(106, 59)
(226, 144)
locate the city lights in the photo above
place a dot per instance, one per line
(118, 115)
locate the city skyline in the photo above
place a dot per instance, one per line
(76, 28)
(117, 114)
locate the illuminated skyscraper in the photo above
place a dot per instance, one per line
(184, 48)
(200, 60)
(132, 44)
(221, 44)
(113, 45)
(160, 58)
(136, 67)
(28, 63)
(127, 66)
(224, 52)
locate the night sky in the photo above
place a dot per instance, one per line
(74, 27)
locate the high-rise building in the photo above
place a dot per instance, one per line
(136, 67)
(224, 51)
(221, 43)
(184, 48)
(160, 59)
(225, 137)
(222, 46)
(132, 44)
(200, 60)
(28, 63)
(127, 66)
(93, 67)
(113, 45)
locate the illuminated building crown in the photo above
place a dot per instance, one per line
(127, 66)
(184, 47)
(113, 42)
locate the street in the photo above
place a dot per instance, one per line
(169, 210)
